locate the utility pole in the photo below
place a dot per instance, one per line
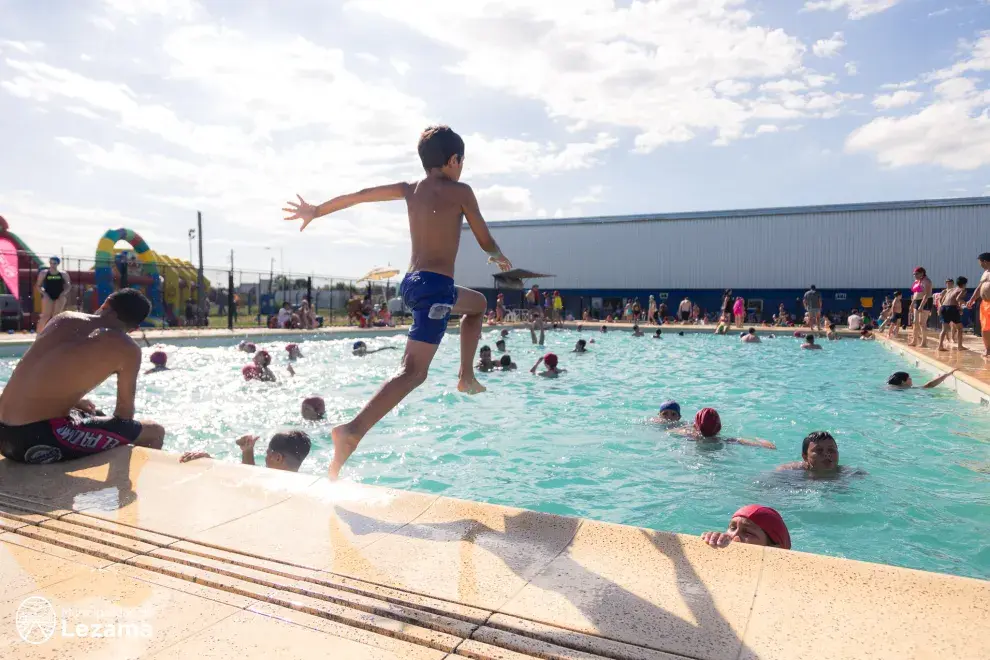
(230, 294)
(192, 235)
(201, 288)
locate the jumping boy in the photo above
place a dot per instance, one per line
(436, 206)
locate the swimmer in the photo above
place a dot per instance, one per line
(314, 409)
(680, 334)
(251, 372)
(286, 451)
(436, 207)
(604, 329)
(580, 347)
(636, 332)
(551, 371)
(867, 334)
(43, 416)
(819, 454)
(505, 333)
(707, 425)
(901, 380)
(751, 337)
(360, 349)
(771, 336)
(754, 525)
(809, 343)
(670, 412)
(247, 347)
(658, 334)
(500, 345)
(160, 360)
(505, 363)
(263, 360)
(485, 363)
(294, 352)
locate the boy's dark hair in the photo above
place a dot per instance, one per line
(484, 348)
(500, 341)
(752, 331)
(505, 361)
(813, 288)
(815, 436)
(985, 256)
(810, 338)
(898, 294)
(898, 378)
(130, 305)
(437, 144)
(582, 342)
(854, 311)
(293, 445)
(962, 281)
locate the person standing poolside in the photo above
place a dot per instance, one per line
(809, 343)
(896, 314)
(684, 310)
(813, 306)
(436, 206)
(652, 311)
(950, 312)
(921, 303)
(662, 313)
(754, 525)
(558, 307)
(43, 418)
(53, 286)
(727, 306)
(500, 308)
(739, 311)
(982, 293)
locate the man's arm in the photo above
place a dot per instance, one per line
(246, 443)
(307, 212)
(480, 230)
(938, 381)
(127, 377)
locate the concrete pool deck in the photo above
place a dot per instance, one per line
(214, 560)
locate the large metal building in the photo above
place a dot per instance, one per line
(852, 252)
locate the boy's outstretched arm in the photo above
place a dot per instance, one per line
(938, 381)
(307, 212)
(480, 230)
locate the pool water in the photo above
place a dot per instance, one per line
(581, 445)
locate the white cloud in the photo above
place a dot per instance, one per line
(898, 99)
(829, 47)
(401, 66)
(499, 201)
(851, 68)
(593, 196)
(23, 47)
(135, 10)
(901, 85)
(669, 71)
(486, 156)
(855, 9)
(767, 128)
(953, 131)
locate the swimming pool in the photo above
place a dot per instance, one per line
(581, 445)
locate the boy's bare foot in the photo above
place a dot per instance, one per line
(345, 441)
(942, 348)
(470, 386)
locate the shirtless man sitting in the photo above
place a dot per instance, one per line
(43, 417)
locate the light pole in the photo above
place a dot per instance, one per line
(192, 235)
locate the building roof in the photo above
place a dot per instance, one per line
(785, 210)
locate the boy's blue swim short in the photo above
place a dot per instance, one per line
(430, 296)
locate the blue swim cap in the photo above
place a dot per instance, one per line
(671, 405)
(357, 345)
(55, 259)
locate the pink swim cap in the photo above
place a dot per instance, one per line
(708, 422)
(292, 347)
(550, 359)
(798, 334)
(769, 521)
(159, 358)
(250, 371)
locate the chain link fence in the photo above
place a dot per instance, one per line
(239, 298)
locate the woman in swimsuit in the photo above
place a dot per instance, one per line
(53, 286)
(739, 311)
(500, 308)
(950, 311)
(921, 303)
(651, 314)
(727, 306)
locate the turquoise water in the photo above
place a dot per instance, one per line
(581, 445)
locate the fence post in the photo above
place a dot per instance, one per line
(230, 300)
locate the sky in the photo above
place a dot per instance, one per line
(139, 113)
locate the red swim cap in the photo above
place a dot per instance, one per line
(551, 360)
(708, 422)
(292, 347)
(798, 334)
(769, 521)
(250, 371)
(159, 358)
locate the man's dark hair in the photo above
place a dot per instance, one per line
(985, 256)
(130, 305)
(505, 361)
(810, 339)
(500, 341)
(962, 281)
(815, 436)
(582, 342)
(437, 144)
(854, 311)
(294, 445)
(898, 378)
(752, 331)
(813, 288)
(484, 348)
(898, 294)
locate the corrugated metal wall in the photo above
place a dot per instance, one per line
(866, 248)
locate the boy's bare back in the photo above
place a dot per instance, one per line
(436, 207)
